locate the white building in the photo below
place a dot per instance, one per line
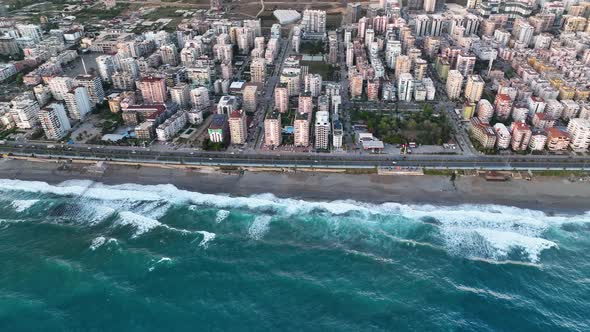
(314, 21)
(169, 128)
(579, 130)
(93, 84)
(313, 84)
(200, 98)
(405, 87)
(181, 96)
(322, 130)
(78, 102)
(106, 67)
(25, 111)
(503, 136)
(60, 86)
(454, 83)
(272, 129)
(54, 121)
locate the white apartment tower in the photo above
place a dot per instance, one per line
(579, 130)
(54, 121)
(322, 130)
(25, 111)
(78, 102)
(454, 83)
(314, 21)
(313, 84)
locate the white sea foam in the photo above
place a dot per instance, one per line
(485, 292)
(100, 241)
(207, 237)
(162, 260)
(259, 227)
(20, 205)
(140, 223)
(485, 231)
(221, 216)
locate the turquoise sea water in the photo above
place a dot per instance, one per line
(82, 256)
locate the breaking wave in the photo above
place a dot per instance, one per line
(488, 232)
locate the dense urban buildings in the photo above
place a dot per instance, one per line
(514, 74)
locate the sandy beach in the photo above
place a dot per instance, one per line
(551, 194)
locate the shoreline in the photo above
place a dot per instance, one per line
(548, 194)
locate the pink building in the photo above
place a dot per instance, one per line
(153, 90)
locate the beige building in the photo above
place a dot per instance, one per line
(557, 139)
(301, 129)
(483, 133)
(521, 136)
(454, 83)
(282, 98)
(305, 103)
(258, 70)
(272, 129)
(238, 131)
(250, 96)
(474, 88)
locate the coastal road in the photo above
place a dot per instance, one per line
(142, 155)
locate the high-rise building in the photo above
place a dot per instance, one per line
(200, 98)
(106, 67)
(474, 88)
(521, 136)
(353, 11)
(59, 86)
(503, 106)
(301, 129)
(238, 131)
(94, 87)
(153, 90)
(314, 21)
(466, 64)
(483, 133)
(429, 6)
(305, 103)
(25, 111)
(32, 31)
(405, 87)
(282, 98)
(356, 85)
(485, 110)
(322, 130)
(454, 83)
(258, 70)
(402, 65)
(579, 130)
(503, 137)
(78, 102)
(181, 96)
(169, 54)
(332, 47)
(420, 68)
(54, 121)
(227, 104)
(291, 78)
(337, 134)
(249, 94)
(313, 84)
(272, 129)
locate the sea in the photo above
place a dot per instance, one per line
(85, 256)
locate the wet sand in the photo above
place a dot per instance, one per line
(551, 194)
